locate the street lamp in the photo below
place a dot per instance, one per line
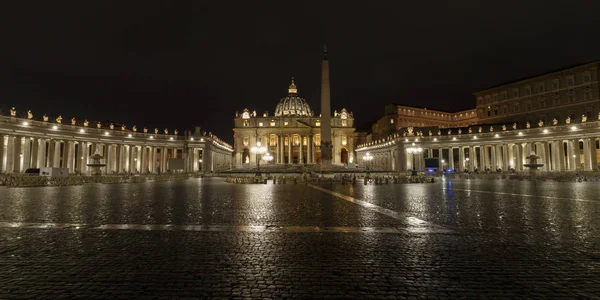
(268, 157)
(367, 157)
(414, 151)
(258, 150)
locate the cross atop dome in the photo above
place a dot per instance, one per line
(292, 89)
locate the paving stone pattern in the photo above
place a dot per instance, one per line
(497, 246)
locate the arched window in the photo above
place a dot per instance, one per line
(246, 140)
(344, 140)
(273, 140)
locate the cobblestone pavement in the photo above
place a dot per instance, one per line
(208, 239)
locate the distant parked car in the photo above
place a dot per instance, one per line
(32, 172)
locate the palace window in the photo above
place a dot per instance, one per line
(515, 93)
(541, 88)
(495, 110)
(555, 84)
(587, 77)
(528, 105)
(587, 94)
(542, 102)
(556, 99)
(527, 90)
(570, 80)
(571, 96)
(516, 107)
(479, 100)
(495, 98)
(505, 110)
(504, 95)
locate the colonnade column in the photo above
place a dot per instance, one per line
(472, 160)
(461, 158)
(17, 154)
(440, 159)
(593, 154)
(26, 153)
(451, 158)
(1, 153)
(505, 158)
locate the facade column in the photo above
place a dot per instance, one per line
(301, 149)
(290, 143)
(309, 149)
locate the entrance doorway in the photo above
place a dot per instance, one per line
(344, 155)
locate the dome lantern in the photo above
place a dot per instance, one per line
(293, 105)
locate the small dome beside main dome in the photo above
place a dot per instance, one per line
(293, 105)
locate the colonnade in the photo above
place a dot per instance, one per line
(33, 144)
(559, 148)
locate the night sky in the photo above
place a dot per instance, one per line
(179, 64)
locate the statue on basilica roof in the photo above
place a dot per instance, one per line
(13, 112)
(29, 115)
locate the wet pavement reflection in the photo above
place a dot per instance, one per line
(205, 238)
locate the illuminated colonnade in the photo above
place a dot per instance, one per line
(27, 143)
(566, 147)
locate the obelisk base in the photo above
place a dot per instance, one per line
(326, 156)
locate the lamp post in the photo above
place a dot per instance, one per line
(367, 157)
(258, 150)
(414, 151)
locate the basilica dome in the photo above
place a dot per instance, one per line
(293, 105)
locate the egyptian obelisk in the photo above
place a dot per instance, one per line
(326, 145)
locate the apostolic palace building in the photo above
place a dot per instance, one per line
(555, 116)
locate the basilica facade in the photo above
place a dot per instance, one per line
(292, 135)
